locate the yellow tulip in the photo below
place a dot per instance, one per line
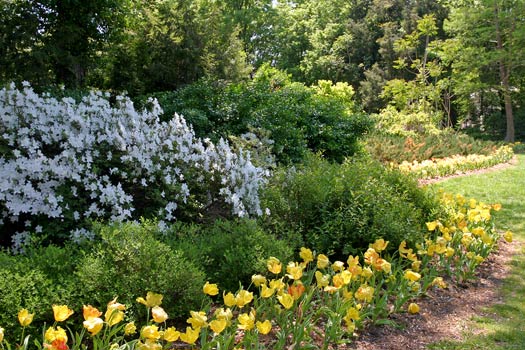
(90, 312)
(246, 321)
(217, 326)
(198, 319)
(338, 266)
(306, 254)
(223, 314)
(413, 308)
(508, 236)
(114, 313)
(264, 327)
(438, 281)
(130, 328)
(171, 334)
(150, 332)
(191, 335)
(286, 300)
(55, 334)
(229, 299)
(322, 261)
(352, 314)
(294, 271)
(431, 226)
(274, 265)
(364, 293)
(93, 325)
(379, 245)
(152, 300)
(266, 292)
(25, 318)
(243, 297)
(277, 284)
(258, 280)
(61, 312)
(322, 280)
(210, 289)
(158, 314)
(149, 344)
(412, 276)
(1, 334)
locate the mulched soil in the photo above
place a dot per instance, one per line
(445, 313)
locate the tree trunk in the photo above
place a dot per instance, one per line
(504, 72)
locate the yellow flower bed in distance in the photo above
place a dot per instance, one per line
(312, 301)
(439, 167)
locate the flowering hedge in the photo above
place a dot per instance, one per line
(313, 303)
(64, 163)
(457, 164)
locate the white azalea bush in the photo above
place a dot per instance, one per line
(63, 164)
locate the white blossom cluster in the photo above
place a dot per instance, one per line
(53, 152)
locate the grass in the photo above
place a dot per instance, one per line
(505, 328)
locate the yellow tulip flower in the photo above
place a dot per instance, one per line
(264, 327)
(93, 325)
(171, 334)
(379, 245)
(306, 254)
(246, 321)
(25, 318)
(150, 332)
(352, 314)
(438, 281)
(243, 298)
(338, 266)
(364, 293)
(266, 292)
(152, 300)
(61, 312)
(210, 289)
(258, 280)
(277, 284)
(508, 236)
(114, 313)
(322, 261)
(198, 319)
(274, 265)
(412, 276)
(294, 271)
(223, 314)
(191, 335)
(217, 326)
(286, 300)
(158, 314)
(229, 299)
(1, 334)
(413, 308)
(55, 334)
(89, 311)
(149, 344)
(130, 328)
(322, 280)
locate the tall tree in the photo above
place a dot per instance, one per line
(496, 30)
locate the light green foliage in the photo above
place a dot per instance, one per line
(130, 261)
(340, 209)
(229, 252)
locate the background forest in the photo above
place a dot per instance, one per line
(421, 63)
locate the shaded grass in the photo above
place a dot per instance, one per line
(505, 327)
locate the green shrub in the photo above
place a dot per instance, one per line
(341, 209)
(321, 118)
(36, 281)
(129, 261)
(395, 148)
(230, 252)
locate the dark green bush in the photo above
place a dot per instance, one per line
(129, 261)
(340, 209)
(395, 148)
(230, 252)
(322, 118)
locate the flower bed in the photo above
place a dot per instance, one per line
(312, 303)
(438, 167)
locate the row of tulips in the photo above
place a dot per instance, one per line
(438, 167)
(314, 303)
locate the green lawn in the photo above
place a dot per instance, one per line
(506, 328)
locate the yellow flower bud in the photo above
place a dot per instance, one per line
(93, 325)
(130, 328)
(508, 236)
(413, 308)
(158, 314)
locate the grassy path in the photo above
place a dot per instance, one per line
(505, 327)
